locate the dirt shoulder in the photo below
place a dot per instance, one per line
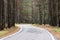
(54, 30)
(9, 32)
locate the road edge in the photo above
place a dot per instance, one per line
(12, 34)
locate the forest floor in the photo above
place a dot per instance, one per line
(54, 30)
(8, 32)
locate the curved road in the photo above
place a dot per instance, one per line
(29, 32)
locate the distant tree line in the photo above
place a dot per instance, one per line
(39, 11)
(29, 11)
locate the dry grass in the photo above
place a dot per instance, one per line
(3, 33)
(8, 32)
(57, 30)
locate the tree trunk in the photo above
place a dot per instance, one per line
(13, 13)
(9, 13)
(2, 18)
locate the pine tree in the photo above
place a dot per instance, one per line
(2, 17)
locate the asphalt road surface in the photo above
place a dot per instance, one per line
(29, 32)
